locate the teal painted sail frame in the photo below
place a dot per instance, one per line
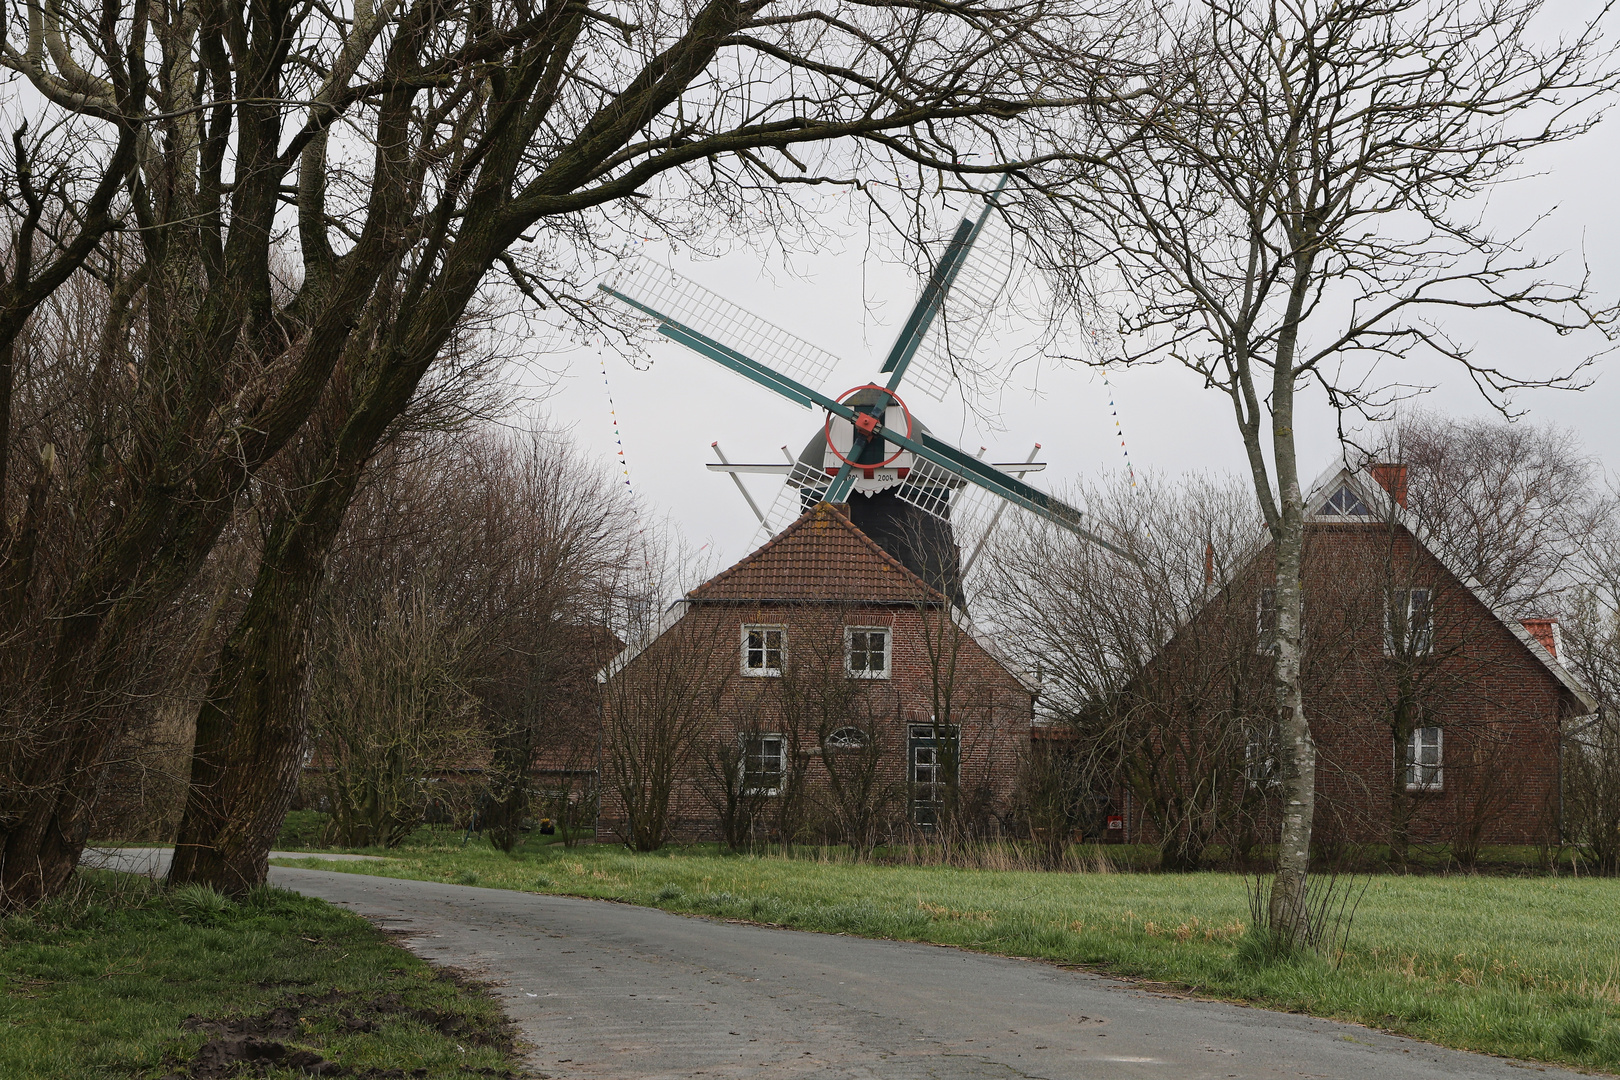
(933, 296)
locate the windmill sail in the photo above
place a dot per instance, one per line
(671, 297)
(950, 350)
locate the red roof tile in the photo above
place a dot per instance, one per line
(820, 558)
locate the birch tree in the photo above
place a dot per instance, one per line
(1291, 199)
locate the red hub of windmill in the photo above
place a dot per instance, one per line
(867, 424)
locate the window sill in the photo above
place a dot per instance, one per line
(762, 673)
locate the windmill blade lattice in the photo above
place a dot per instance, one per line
(789, 502)
(931, 488)
(952, 498)
(949, 352)
(674, 296)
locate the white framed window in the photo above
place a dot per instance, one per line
(1409, 622)
(1265, 619)
(1345, 503)
(764, 762)
(866, 651)
(934, 763)
(1425, 768)
(1260, 754)
(848, 737)
(762, 649)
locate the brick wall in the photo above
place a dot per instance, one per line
(1499, 708)
(991, 707)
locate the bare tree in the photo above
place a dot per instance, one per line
(404, 149)
(1592, 791)
(1174, 727)
(390, 709)
(469, 574)
(1290, 199)
(1512, 505)
(1515, 508)
(857, 740)
(841, 721)
(552, 532)
(1591, 762)
(655, 711)
(733, 790)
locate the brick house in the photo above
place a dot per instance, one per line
(817, 689)
(1438, 718)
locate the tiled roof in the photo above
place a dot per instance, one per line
(820, 558)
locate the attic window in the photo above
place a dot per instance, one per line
(1345, 503)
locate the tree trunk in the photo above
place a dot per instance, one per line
(251, 729)
(39, 853)
(1289, 914)
(250, 740)
(1400, 802)
(1289, 909)
(510, 775)
(52, 779)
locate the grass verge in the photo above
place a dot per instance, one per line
(1523, 967)
(124, 979)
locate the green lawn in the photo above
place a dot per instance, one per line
(123, 979)
(1527, 967)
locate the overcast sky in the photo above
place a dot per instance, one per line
(846, 300)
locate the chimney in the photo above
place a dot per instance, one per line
(1209, 562)
(1544, 631)
(1392, 478)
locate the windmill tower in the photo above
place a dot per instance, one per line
(917, 496)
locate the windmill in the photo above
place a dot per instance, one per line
(916, 488)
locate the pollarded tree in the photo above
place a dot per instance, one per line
(319, 193)
(1290, 199)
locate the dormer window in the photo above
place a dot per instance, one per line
(1345, 503)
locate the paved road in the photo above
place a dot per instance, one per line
(613, 992)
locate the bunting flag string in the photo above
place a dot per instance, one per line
(624, 463)
(1118, 430)
(613, 411)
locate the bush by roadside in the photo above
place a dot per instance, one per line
(124, 978)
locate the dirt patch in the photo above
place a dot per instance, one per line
(251, 1045)
(242, 1046)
